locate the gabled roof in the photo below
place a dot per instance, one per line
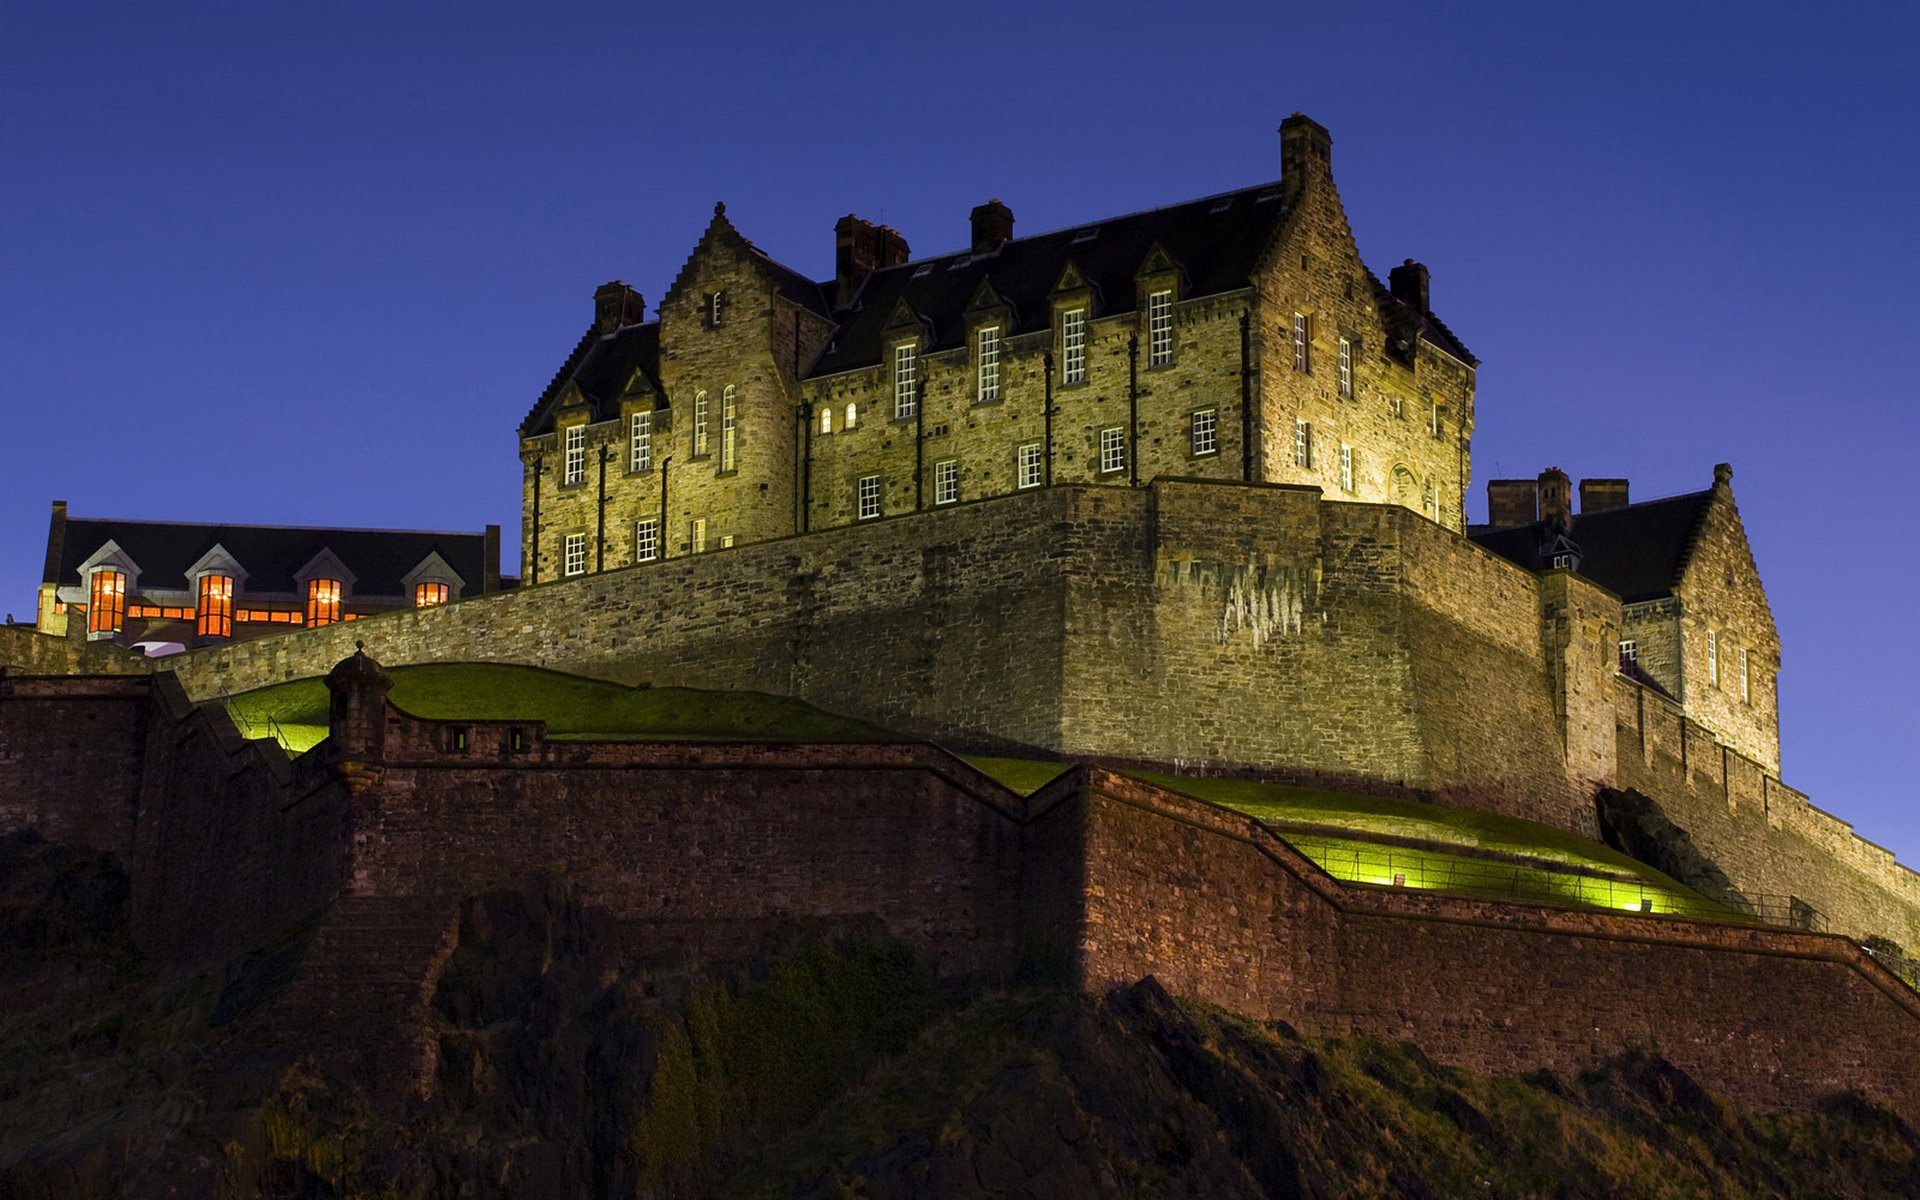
(271, 554)
(601, 364)
(1216, 242)
(1637, 552)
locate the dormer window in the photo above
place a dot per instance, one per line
(213, 612)
(1160, 328)
(426, 595)
(986, 359)
(574, 469)
(323, 601)
(106, 602)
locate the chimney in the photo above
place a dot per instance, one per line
(1306, 151)
(1512, 502)
(893, 248)
(856, 254)
(615, 306)
(1408, 283)
(1599, 495)
(992, 226)
(56, 543)
(1556, 499)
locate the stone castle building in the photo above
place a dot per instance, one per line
(1234, 337)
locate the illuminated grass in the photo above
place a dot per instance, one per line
(574, 708)
(1023, 775)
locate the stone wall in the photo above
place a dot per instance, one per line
(1767, 837)
(1216, 907)
(70, 757)
(25, 649)
(1721, 596)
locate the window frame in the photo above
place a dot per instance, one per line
(1210, 427)
(573, 470)
(1713, 658)
(1111, 445)
(701, 410)
(1346, 467)
(1303, 443)
(697, 535)
(646, 540)
(213, 604)
(640, 443)
(1029, 457)
(946, 482)
(1344, 378)
(573, 555)
(1073, 347)
(1302, 343)
(906, 381)
(323, 601)
(986, 363)
(106, 605)
(729, 430)
(868, 498)
(1629, 653)
(1160, 328)
(429, 593)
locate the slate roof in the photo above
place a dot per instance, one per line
(1215, 241)
(1637, 552)
(270, 554)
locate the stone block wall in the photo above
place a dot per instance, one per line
(70, 757)
(25, 649)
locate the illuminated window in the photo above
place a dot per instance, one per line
(715, 309)
(699, 423)
(1346, 369)
(1113, 450)
(1073, 346)
(987, 360)
(726, 541)
(426, 595)
(1713, 657)
(214, 615)
(640, 450)
(1159, 329)
(906, 379)
(1028, 464)
(107, 602)
(574, 561)
(1300, 359)
(1435, 425)
(1629, 654)
(1346, 467)
(826, 419)
(1746, 680)
(1394, 408)
(646, 540)
(697, 535)
(946, 481)
(1302, 443)
(1203, 432)
(323, 601)
(869, 497)
(575, 469)
(729, 428)
(853, 416)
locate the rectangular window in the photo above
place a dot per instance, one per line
(1159, 329)
(697, 535)
(107, 602)
(1713, 657)
(946, 481)
(1113, 450)
(575, 469)
(323, 601)
(987, 356)
(699, 424)
(1629, 655)
(640, 452)
(1346, 369)
(906, 382)
(426, 595)
(214, 615)
(1300, 343)
(729, 428)
(1746, 680)
(574, 562)
(646, 540)
(1394, 408)
(868, 497)
(1435, 425)
(726, 541)
(1203, 432)
(1029, 469)
(1073, 346)
(1346, 467)
(1302, 443)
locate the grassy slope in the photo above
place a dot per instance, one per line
(571, 705)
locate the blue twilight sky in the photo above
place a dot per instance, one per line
(310, 263)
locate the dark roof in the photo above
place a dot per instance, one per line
(1215, 241)
(601, 364)
(271, 554)
(1636, 552)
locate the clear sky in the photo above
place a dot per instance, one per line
(311, 263)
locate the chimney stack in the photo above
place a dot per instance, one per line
(1408, 282)
(615, 306)
(1512, 502)
(1306, 151)
(859, 249)
(1599, 495)
(1556, 499)
(992, 226)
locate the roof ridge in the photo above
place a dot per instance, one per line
(276, 527)
(565, 372)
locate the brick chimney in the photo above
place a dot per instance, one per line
(615, 306)
(1556, 499)
(1599, 495)
(992, 226)
(859, 249)
(1408, 282)
(1306, 152)
(1513, 502)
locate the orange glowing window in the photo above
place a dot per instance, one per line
(107, 602)
(215, 613)
(323, 601)
(426, 595)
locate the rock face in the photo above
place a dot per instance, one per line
(828, 1064)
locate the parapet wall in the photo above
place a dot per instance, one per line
(31, 652)
(1767, 837)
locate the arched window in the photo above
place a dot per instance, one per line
(853, 416)
(826, 419)
(699, 423)
(728, 429)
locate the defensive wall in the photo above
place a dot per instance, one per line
(365, 847)
(25, 649)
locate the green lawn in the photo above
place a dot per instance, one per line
(573, 707)
(1023, 775)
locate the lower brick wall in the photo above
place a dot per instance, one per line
(70, 757)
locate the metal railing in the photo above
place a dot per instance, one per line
(266, 727)
(1391, 867)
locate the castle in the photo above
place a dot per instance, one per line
(1182, 490)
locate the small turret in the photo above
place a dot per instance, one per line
(357, 717)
